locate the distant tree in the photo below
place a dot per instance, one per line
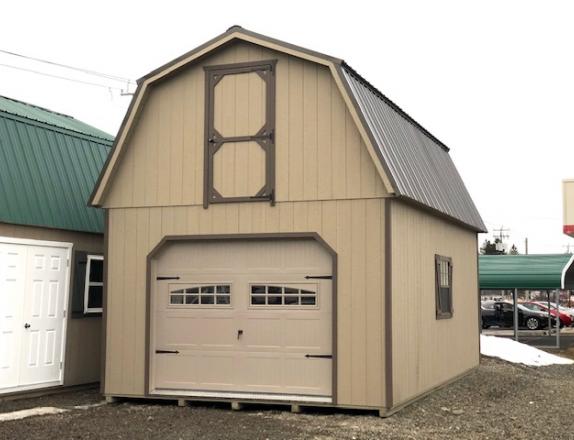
(513, 250)
(490, 248)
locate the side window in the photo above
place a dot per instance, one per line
(94, 284)
(239, 164)
(198, 295)
(302, 295)
(443, 287)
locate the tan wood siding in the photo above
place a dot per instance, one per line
(83, 335)
(428, 352)
(319, 152)
(354, 228)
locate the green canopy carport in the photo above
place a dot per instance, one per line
(527, 272)
(533, 272)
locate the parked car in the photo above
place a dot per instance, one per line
(565, 319)
(501, 314)
(568, 310)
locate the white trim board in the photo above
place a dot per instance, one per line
(32, 242)
(563, 277)
(244, 396)
(32, 387)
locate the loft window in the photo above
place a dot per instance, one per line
(443, 284)
(94, 284)
(240, 133)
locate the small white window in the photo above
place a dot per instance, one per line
(94, 288)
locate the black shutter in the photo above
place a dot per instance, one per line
(78, 288)
(437, 285)
(451, 308)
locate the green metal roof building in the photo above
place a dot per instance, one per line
(51, 246)
(533, 272)
(49, 163)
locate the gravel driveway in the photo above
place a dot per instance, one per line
(497, 401)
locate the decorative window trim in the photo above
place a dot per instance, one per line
(301, 287)
(88, 284)
(265, 137)
(443, 280)
(189, 286)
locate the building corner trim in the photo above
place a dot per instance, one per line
(388, 306)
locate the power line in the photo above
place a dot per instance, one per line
(66, 66)
(61, 77)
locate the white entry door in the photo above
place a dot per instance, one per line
(33, 300)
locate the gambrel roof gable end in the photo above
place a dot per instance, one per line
(413, 164)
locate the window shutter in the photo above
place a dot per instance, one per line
(80, 262)
(450, 288)
(437, 284)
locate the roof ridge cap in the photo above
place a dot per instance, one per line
(70, 131)
(36, 106)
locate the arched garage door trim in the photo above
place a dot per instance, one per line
(226, 237)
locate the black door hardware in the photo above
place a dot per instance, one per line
(167, 278)
(320, 356)
(27, 325)
(319, 277)
(239, 333)
(166, 351)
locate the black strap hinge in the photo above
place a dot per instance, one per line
(319, 277)
(167, 278)
(166, 351)
(320, 356)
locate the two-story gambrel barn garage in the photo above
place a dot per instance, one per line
(279, 230)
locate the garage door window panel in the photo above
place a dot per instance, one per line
(200, 295)
(274, 295)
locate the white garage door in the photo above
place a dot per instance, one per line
(33, 299)
(247, 317)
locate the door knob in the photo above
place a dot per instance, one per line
(27, 325)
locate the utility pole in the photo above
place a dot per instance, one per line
(502, 234)
(526, 246)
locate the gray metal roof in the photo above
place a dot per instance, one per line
(419, 165)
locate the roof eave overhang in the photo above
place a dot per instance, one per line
(479, 229)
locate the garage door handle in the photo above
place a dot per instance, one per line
(27, 325)
(319, 277)
(320, 356)
(166, 351)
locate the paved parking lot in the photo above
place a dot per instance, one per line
(499, 400)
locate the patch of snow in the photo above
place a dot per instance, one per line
(92, 405)
(518, 353)
(22, 414)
